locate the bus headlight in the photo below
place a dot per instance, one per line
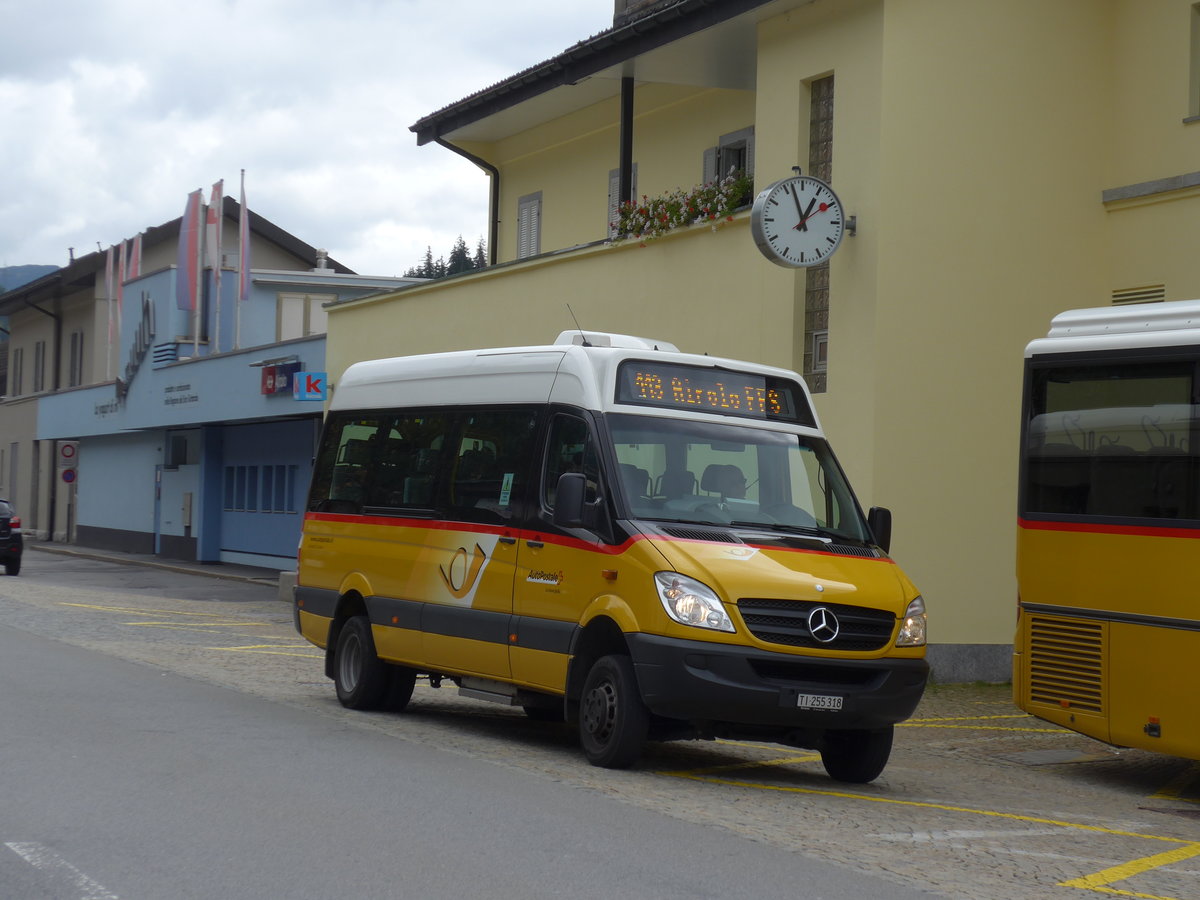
(689, 602)
(912, 628)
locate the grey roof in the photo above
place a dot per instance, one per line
(625, 49)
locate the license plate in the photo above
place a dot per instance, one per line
(819, 701)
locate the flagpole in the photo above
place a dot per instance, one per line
(243, 264)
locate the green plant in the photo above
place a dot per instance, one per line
(652, 217)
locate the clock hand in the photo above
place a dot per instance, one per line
(805, 214)
(802, 224)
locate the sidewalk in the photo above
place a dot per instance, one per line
(228, 571)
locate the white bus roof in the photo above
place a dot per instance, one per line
(1144, 325)
(568, 371)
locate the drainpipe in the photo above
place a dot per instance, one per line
(493, 201)
(625, 186)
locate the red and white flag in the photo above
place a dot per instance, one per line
(134, 269)
(216, 218)
(243, 247)
(188, 258)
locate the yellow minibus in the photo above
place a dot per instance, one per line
(1108, 530)
(649, 544)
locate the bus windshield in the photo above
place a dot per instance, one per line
(679, 470)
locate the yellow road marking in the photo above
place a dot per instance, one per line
(1098, 882)
(987, 728)
(971, 718)
(1174, 790)
(141, 612)
(267, 650)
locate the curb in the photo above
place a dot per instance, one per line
(169, 567)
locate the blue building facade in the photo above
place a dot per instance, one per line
(197, 448)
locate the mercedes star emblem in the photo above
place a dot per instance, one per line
(823, 625)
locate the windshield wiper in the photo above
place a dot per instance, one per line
(808, 531)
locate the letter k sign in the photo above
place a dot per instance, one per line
(309, 386)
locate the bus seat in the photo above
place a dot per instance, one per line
(726, 480)
(675, 483)
(636, 480)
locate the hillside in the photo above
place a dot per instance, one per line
(15, 276)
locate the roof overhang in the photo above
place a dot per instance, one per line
(697, 43)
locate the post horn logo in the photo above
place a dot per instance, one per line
(464, 571)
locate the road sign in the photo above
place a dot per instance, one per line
(68, 475)
(309, 386)
(68, 453)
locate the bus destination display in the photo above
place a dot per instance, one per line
(703, 389)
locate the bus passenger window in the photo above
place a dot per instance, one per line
(494, 450)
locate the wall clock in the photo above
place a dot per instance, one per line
(797, 221)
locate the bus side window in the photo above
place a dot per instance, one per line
(344, 463)
(406, 462)
(570, 448)
(492, 465)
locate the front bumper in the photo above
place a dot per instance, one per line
(701, 682)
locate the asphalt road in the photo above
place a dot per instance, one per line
(124, 779)
(979, 800)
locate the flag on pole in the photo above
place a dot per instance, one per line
(216, 217)
(188, 258)
(134, 270)
(244, 247)
(120, 287)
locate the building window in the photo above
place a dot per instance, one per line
(301, 315)
(734, 153)
(529, 225)
(16, 371)
(614, 197)
(1194, 87)
(39, 367)
(75, 363)
(816, 286)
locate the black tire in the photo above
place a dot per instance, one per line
(13, 567)
(857, 757)
(613, 720)
(361, 678)
(400, 688)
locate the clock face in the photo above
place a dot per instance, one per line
(798, 221)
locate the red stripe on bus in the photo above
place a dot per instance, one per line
(1101, 528)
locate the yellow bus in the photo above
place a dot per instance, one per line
(1108, 538)
(648, 544)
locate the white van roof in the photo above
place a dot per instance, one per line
(579, 369)
(1142, 325)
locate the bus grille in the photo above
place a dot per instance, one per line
(1066, 663)
(786, 622)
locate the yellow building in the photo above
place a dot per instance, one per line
(1003, 162)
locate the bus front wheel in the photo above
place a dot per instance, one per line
(362, 680)
(856, 757)
(613, 720)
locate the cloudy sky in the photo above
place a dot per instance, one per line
(111, 112)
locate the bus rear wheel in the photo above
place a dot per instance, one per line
(613, 720)
(856, 757)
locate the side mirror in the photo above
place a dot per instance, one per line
(880, 521)
(569, 500)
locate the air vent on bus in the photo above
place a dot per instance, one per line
(1066, 663)
(700, 534)
(1153, 293)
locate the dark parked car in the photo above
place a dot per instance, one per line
(11, 544)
